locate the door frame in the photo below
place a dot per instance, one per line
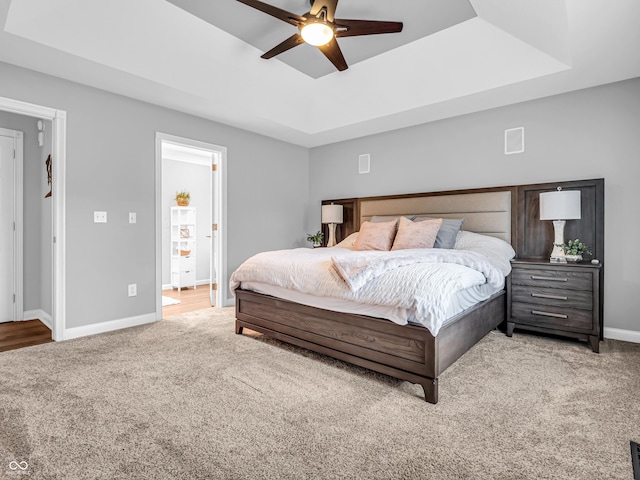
(58, 119)
(218, 212)
(18, 217)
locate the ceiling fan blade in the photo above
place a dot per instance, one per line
(330, 6)
(280, 14)
(332, 51)
(293, 41)
(353, 28)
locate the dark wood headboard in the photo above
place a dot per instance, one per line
(530, 237)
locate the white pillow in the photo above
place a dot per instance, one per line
(496, 250)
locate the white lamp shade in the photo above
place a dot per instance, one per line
(332, 213)
(560, 205)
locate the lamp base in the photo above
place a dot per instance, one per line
(557, 255)
(332, 235)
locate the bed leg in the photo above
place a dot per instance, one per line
(238, 328)
(510, 327)
(430, 387)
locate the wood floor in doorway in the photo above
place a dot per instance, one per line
(23, 334)
(191, 299)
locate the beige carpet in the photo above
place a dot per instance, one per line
(186, 398)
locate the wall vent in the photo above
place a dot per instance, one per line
(364, 163)
(514, 140)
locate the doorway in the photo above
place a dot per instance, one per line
(190, 240)
(58, 153)
(11, 261)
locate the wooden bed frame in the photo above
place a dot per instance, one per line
(406, 352)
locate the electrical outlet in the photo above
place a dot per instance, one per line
(133, 290)
(99, 217)
(132, 217)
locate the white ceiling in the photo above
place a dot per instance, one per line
(512, 51)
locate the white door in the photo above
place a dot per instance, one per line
(7, 231)
(213, 237)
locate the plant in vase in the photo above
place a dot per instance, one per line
(315, 238)
(574, 249)
(183, 198)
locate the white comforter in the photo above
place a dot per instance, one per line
(423, 280)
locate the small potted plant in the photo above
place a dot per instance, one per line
(574, 249)
(183, 198)
(315, 238)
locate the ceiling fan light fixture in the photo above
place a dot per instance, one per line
(316, 33)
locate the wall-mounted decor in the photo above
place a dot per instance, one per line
(48, 166)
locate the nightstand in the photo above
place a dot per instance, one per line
(557, 298)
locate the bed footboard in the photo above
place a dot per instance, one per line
(406, 352)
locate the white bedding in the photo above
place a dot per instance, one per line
(422, 282)
(459, 302)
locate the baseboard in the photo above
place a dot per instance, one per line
(198, 282)
(632, 336)
(109, 326)
(39, 314)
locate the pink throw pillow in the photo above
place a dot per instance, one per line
(416, 234)
(376, 236)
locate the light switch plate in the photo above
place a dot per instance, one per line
(132, 217)
(99, 217)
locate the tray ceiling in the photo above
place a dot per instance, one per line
(420, 17)
(454, 57)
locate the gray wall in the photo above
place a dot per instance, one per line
(592, 133)
(37, 275)
(178, 176)
(111, 167)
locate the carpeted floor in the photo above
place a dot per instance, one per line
(186, 398)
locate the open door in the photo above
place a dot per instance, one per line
(10, 225)
(189, 165)
(213, 236)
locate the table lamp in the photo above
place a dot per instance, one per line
(332, 215)
(559, 206)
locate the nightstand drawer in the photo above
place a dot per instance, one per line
(555, 317)
(559, 278)
(581, 299)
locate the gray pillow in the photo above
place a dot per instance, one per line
(448, 231)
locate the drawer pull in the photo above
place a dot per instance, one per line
(551, 279)
(547, 314)
(551, 297)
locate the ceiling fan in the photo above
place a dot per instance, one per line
(320, 28)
